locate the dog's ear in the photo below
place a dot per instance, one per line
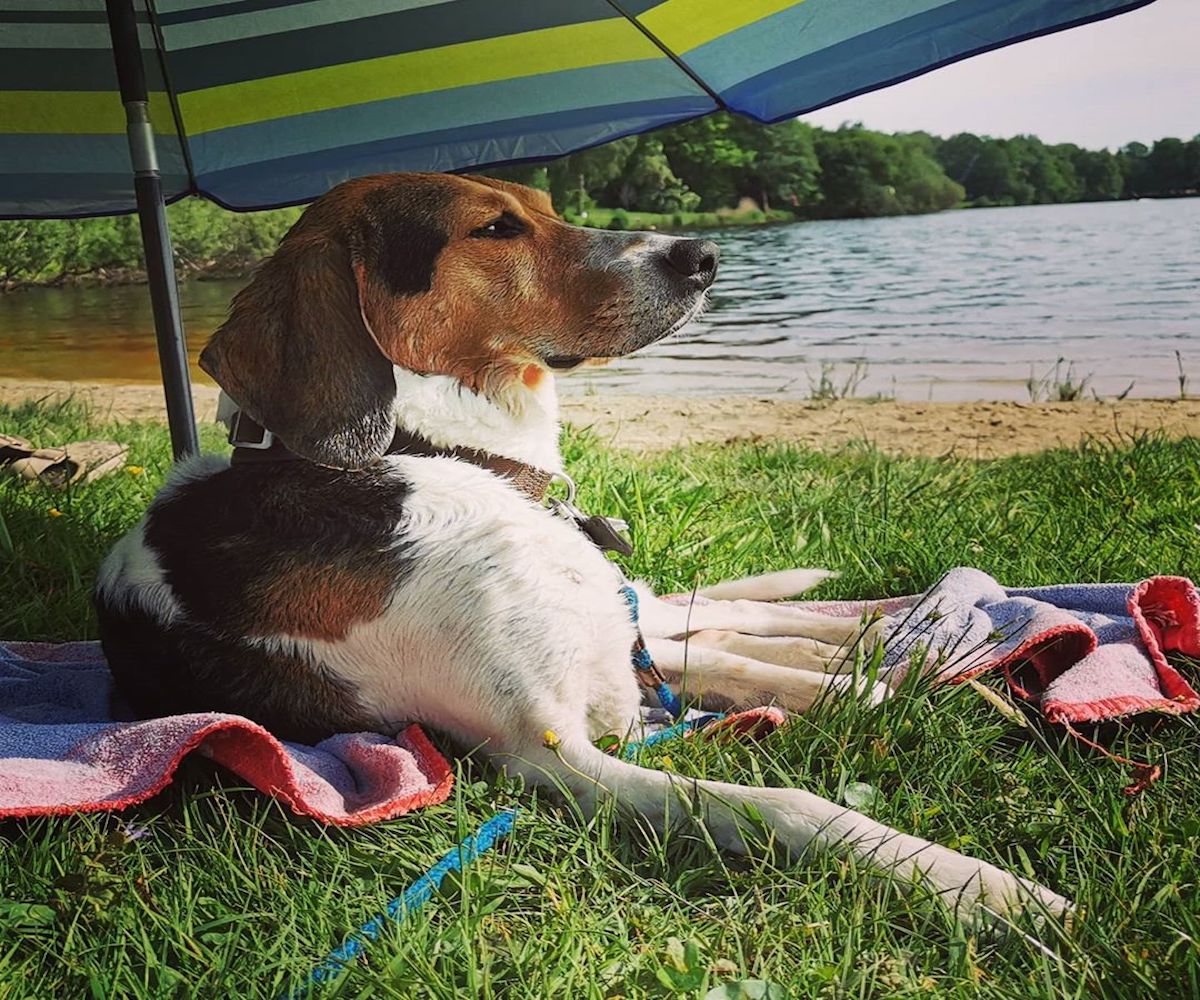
(298, 356)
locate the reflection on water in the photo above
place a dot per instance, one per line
(952, 306)
(101, 334)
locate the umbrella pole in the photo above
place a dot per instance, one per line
(156, 238)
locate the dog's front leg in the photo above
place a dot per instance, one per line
(794, 651)
(738, 817)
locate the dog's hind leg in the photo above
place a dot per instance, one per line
(736, 816)
(767, 586)
(792, 651)
(664, 620)
(723, 679)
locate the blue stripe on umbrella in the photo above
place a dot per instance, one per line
(73, 196)
(273, 183)
(77, 153)
(904, 49)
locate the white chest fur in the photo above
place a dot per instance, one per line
(520, 423)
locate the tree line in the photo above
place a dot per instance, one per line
(684, 173)
(816, 173)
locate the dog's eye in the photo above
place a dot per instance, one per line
(503, 228)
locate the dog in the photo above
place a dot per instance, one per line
(378, 553)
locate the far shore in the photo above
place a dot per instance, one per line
(243, 266)
(982, 429)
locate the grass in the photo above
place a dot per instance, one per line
(1057, 386)
(228, 895)
(829, 386)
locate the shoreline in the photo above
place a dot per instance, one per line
(982, 429)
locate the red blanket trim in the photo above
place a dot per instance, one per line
(753, 723)
(1050, 653)
(274, 774)
(1103, 709)
(238, 744)
(1166, 611)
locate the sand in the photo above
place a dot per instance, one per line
(641, 423)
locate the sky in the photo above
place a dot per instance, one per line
(1131, 77)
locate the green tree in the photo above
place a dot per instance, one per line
(985, 169)
(1099, 174)
(647, 182)
(1167, 167)
(1047, 171)
(867, 173)
(784, 171)
(707, 155)
(576, 181)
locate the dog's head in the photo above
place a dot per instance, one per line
(438, 274)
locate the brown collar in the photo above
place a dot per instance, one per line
(254, 443)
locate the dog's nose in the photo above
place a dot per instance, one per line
(695, 259)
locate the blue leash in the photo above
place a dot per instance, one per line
(414, 897)
(681, 728)
(643, 663)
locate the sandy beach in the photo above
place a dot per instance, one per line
(653, 423)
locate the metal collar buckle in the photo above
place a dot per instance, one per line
(239, 423)
(609, 534)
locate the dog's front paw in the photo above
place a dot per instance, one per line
(983, 893)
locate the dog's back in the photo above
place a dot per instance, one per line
(229, 558)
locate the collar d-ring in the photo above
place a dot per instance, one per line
(562, 477)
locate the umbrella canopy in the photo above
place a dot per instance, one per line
(260, 103)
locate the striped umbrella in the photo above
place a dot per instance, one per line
(261, 103)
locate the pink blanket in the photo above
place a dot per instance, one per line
(62, 751)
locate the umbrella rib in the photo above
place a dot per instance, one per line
(677, 60)
(160, 48)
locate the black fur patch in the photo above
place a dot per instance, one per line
(408, 239)
(261, 550)
(174, 669)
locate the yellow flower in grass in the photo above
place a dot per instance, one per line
(667, 763)
(135, 470)
(550, 740)
(54, 512)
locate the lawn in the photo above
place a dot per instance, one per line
(227, 895)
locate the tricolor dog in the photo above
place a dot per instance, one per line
(378, 552)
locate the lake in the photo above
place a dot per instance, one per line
(956, 306)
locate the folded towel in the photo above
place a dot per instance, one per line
(1083, 652)
(62, 749)
(1094, 651)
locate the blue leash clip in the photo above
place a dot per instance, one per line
(643, 662)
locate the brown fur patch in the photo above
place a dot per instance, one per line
(271, 551)
(319, 602)
(495, 306)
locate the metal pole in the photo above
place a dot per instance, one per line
(156, 239)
